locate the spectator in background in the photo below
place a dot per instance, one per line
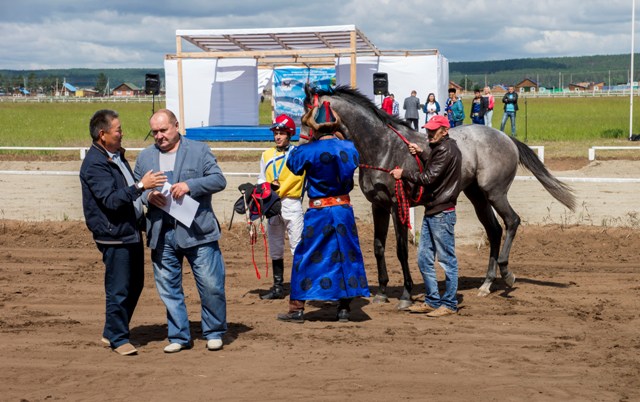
(510, 100)
(412, 107)
(387, 104)
(431, 107)
(396, 107)
(478, 107)
(488, 115)
(454, 109)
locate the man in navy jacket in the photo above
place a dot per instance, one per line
(113, 213)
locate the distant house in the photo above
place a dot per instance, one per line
(499, 88)
(527, 85)
(580, 87)
(86, 93)
(586, 86)
(127, 89)
(68, 89)
(459, 89)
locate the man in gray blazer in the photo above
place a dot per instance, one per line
(412, 106)
(191, 169)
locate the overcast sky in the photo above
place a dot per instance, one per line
(40, 34)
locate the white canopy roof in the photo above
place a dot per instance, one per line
(277, 42)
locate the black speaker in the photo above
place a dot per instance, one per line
(380, 83)
(152, 84)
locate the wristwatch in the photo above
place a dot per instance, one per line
(140, 186)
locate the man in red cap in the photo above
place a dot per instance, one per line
(273, 169)
(441, 180)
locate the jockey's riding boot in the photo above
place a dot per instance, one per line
(343, 310)
(295, 314)
(277, 291)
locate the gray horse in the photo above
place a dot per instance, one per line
(490, 159)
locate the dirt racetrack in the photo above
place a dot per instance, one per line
(568, 330)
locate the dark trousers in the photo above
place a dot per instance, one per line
(123, 282)
(414, 123)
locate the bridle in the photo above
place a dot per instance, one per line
(402, 196)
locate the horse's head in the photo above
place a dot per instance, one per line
(312, 126)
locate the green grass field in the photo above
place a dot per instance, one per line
(565, 126)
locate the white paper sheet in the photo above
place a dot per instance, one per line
(183, 210)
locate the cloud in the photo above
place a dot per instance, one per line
(118, 33)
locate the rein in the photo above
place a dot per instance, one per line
(401, 193)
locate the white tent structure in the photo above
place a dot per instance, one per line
(214, 76)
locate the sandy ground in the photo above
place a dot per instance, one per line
(568, 330)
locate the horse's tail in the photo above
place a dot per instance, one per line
(559, 190)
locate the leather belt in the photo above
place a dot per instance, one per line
(329, 201)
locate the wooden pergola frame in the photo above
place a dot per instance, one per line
(310, 46)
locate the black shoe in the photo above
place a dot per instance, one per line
(273, 294)
(296, 316)
(343, 315)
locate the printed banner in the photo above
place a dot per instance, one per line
(288, 88)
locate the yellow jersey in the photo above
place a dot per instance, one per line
(273, 166)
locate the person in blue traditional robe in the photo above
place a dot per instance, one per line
(327, 263)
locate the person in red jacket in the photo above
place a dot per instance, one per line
(387, 104)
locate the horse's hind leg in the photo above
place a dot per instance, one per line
(380, 230)
(511, 222)
(402, 233)
(494, 233)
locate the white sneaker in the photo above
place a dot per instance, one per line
(214, 344)
(173, 348)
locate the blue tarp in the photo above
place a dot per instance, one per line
(24, 91)
(70, 87)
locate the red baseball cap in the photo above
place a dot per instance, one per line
(284, 123)
(436, 122)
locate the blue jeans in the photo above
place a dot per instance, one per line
(123, 282)
(208, 270)
(437, 238)
(487, 118)
(512, 117)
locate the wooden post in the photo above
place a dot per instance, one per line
(183, 131)
(353, 59)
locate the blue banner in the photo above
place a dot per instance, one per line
(288, 88)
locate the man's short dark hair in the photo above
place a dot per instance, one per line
(452, 90)
(101, 121)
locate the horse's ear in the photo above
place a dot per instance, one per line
(307, 90)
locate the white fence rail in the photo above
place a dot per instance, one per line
(83, 150)
(592, 150)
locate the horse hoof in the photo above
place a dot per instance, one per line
(380, 299)
(484, 291)
(510, 279)
(404, 304)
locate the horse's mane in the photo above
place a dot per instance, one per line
(353, 95)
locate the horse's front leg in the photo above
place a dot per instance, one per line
(402, 233)
(380, 230)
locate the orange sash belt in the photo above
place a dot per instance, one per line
(329, 201)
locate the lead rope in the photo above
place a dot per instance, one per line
(253, 235)
(401, 196)
(401, 193)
